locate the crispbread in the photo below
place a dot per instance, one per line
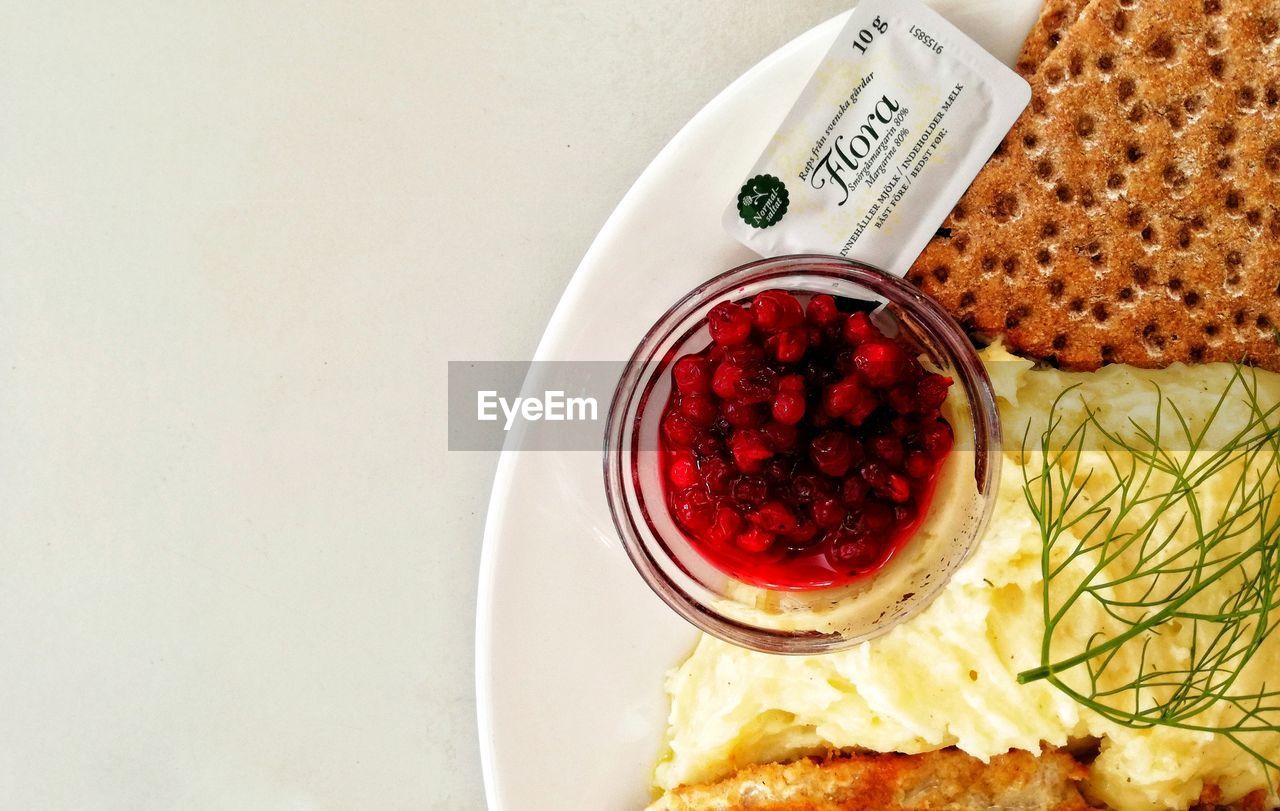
(1132, 214)
(1055, 18)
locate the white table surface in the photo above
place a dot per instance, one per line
(238, 244)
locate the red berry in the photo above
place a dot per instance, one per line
(882, 363)
(782, 437)
(707, 444)
(936, 438)
(717, 475)
(853, 491)
(858, 329)
(777, 471)
(902, 398)
(931, 391)
(750, 490)
(822, 310)
(678, 430)
(683, 471)
(791, 384)
(896, 488)
(757, 385)
(729, 324)
(843, 397)
(919, 465)
(775, 310)
(745, 355)
(903, 425)
(832, 452)
(724, 382)
(849, 399)
(727, 525)
(773, 517)
(750, 450)
(754, 540)
(876, 517)
(699, 409)
(888, 448)
(861, 411)
(765, 312)
(693, 509)
(805, 487)
(828, 513)
(742, 415)
(788, 407)
(792, 311)
(874, 473)
(692, 373)
(788, 346)
(805, 532)
(853, 551)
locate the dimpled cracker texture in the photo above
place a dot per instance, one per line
(1055, 18)
(1133, 212)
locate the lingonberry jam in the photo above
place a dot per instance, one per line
(801, 448)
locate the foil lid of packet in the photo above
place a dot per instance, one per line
(899, 117)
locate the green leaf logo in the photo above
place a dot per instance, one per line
(762, 201)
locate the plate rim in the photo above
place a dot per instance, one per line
(505, 470)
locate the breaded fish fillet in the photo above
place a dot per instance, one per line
(948, 779)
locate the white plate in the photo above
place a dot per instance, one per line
(571, 646)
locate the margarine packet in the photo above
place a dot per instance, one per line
(897, 120)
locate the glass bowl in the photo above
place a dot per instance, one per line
(819, 620)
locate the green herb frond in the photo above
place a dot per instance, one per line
(1142, 553)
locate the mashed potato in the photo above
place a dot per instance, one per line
(948, 677)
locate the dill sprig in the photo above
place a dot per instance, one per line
(1145, 559)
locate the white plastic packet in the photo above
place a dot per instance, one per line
(897, 120)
